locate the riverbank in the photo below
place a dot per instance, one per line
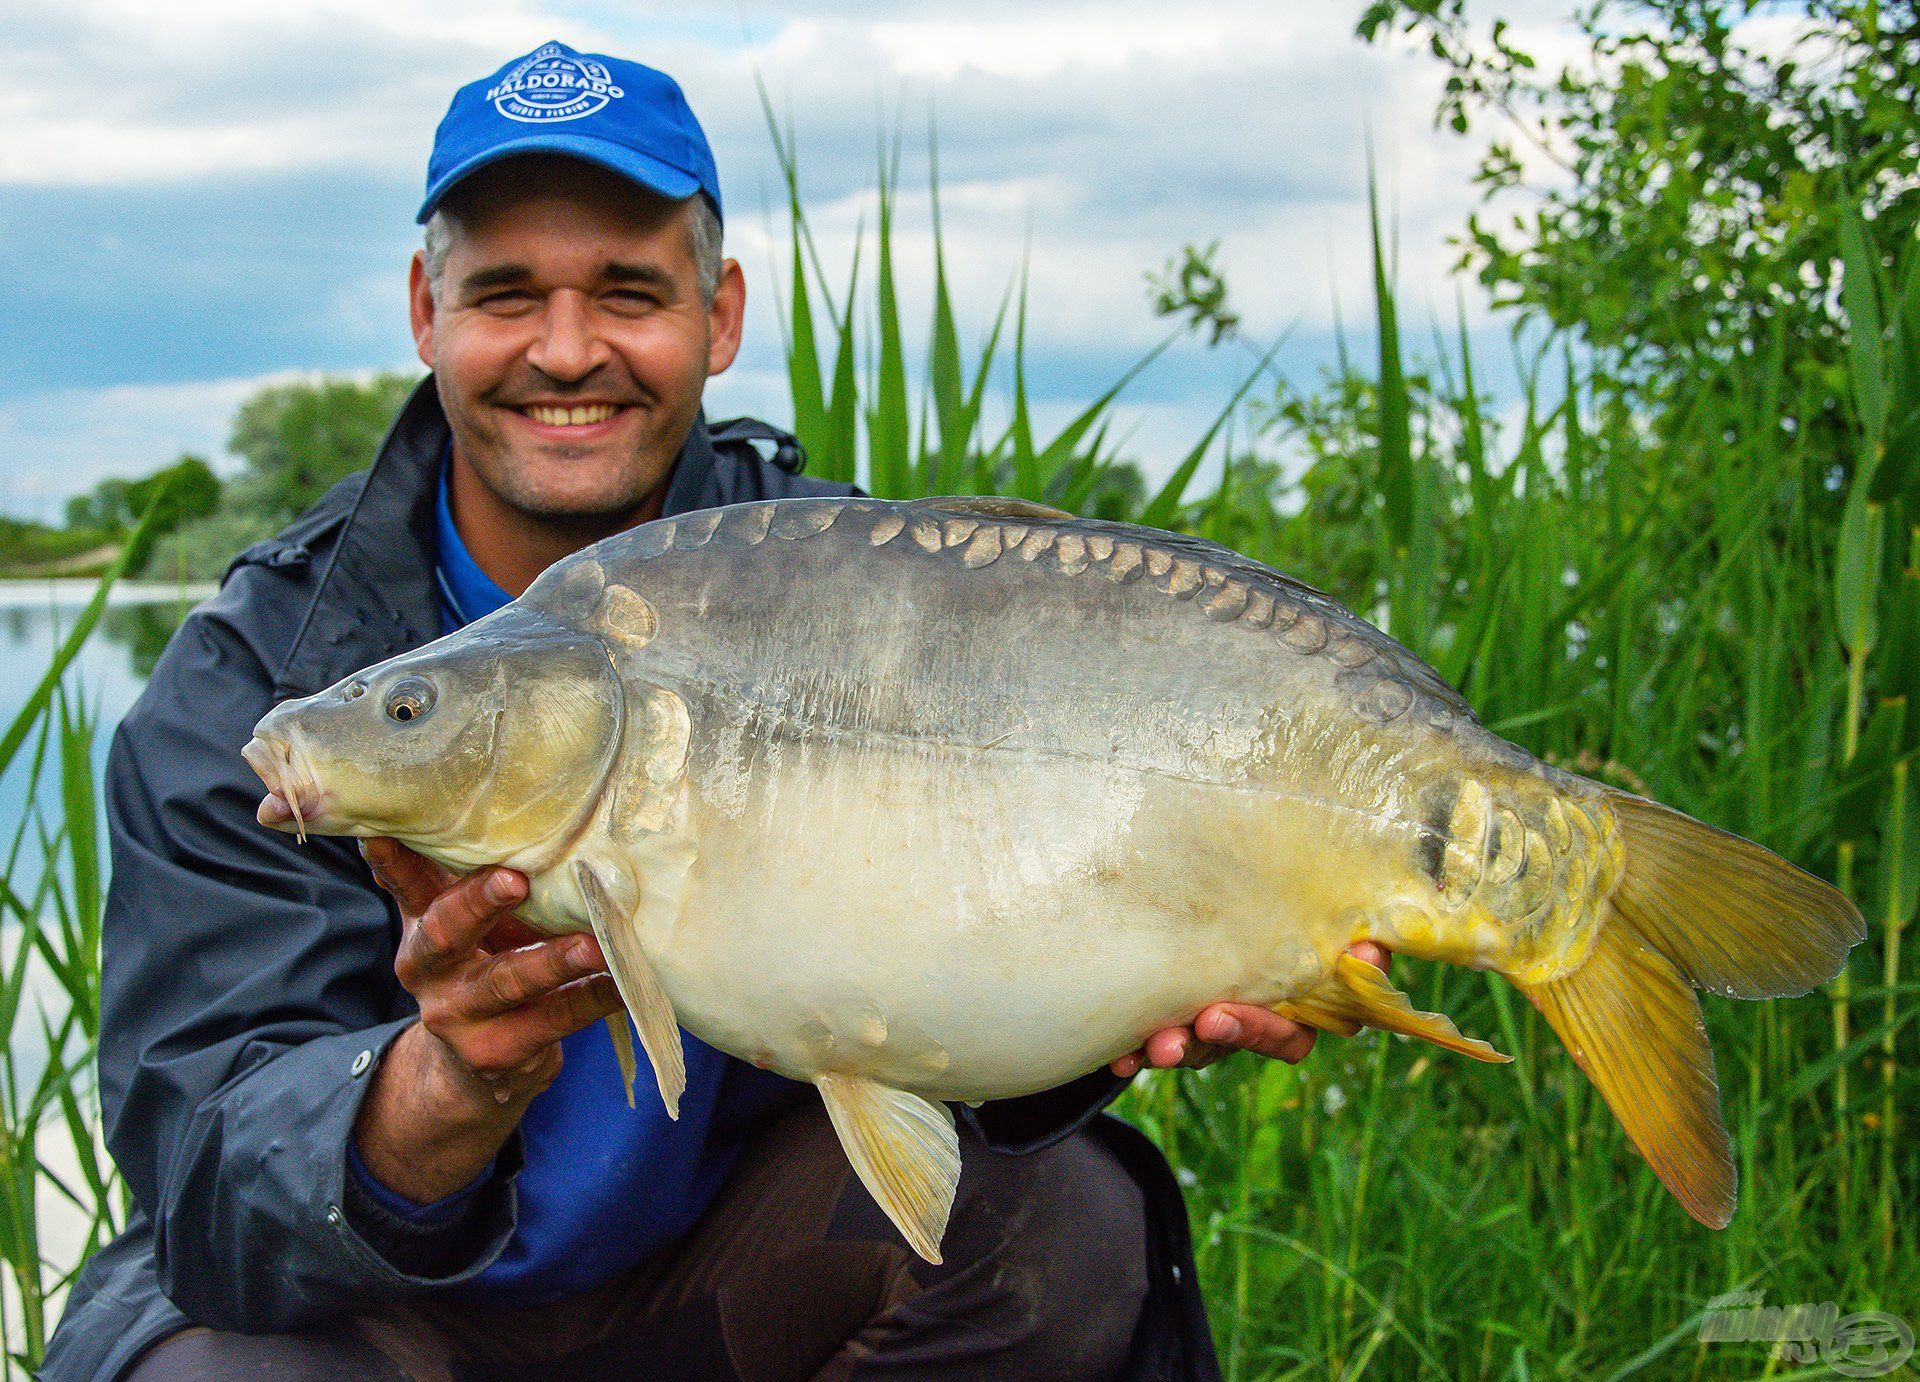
(44, 592)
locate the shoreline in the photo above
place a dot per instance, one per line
(67, 592)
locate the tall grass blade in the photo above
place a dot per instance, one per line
(889, 435)
(1164, 507)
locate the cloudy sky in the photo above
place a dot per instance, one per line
(200, 196)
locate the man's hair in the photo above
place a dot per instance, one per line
(703, 238)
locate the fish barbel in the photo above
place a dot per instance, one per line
(960, 799)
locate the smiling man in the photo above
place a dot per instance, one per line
(370, 1122)
(571, 317)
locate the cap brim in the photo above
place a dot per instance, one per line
(669, 181)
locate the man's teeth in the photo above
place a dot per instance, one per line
(571, 417)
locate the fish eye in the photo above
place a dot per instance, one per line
(410, 698)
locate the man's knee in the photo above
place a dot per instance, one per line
(328, 1354)
(1063, 1233)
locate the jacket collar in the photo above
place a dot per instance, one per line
(376, 595)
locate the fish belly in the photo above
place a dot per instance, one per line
(981, 924)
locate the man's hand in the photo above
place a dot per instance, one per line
(1226, 1027)
(495, 1000)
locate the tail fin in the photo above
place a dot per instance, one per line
(1634, 1026)
(1733, 917)
(1695, 908)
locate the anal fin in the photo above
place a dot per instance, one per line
(623, 1050)
(639, 988)
(903, 1148)
(1358, 995)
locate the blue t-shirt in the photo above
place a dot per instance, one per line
(604, 1186)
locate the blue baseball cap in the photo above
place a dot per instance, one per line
(618, 114)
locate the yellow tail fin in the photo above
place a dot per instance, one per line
(1734, 918)
(1634, 1026)
(1695, 908)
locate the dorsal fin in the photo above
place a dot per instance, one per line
(992, 505)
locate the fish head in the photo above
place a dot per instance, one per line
(490, 742)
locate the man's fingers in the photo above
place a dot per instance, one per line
(1371, 951)
(1171, 1046)
(1166, 1047)
(509, 1041)
(413, 879)
(1234, 1026)
(1222, 1028)
(1250, 1028)
(504, 982)
(452, 926)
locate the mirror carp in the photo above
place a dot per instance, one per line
(959, 799)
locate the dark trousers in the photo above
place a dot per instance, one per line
(793, 1273)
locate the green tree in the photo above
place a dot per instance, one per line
(103, 507)
(186, 490)
(299, 438)
(296, 440)
(1675, 192)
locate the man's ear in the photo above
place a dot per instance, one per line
(420, 307)
(725, 317)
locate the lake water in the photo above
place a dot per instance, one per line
(107, 675)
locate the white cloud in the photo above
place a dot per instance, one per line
(113, 91)
(1095, 137)
(65, 441)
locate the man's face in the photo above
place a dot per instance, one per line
(568, 337)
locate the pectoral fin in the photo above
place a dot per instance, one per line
(623, 1049)
(905, 1151)
(639, 988)
(1359, 995)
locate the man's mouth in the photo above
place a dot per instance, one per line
(569, 415)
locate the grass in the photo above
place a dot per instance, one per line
(1734, 633)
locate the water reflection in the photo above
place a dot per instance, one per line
(143, 630)
(106, 676)
(104, 679)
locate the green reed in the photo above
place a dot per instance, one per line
(50, 906)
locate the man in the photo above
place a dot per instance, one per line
(373, 1135)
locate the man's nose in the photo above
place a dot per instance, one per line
(568, 347)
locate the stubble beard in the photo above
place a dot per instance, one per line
(607, 506)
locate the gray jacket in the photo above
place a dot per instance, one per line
(248, 981)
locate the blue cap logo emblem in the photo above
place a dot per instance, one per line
(554, 83)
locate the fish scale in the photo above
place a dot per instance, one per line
(963, 798)
(1299, 613)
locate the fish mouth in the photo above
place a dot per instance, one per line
(293, 794)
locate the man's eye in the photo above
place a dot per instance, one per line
(506, 301)
(628, 299)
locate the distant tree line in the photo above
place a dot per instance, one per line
(295, 440)
(99, 521)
